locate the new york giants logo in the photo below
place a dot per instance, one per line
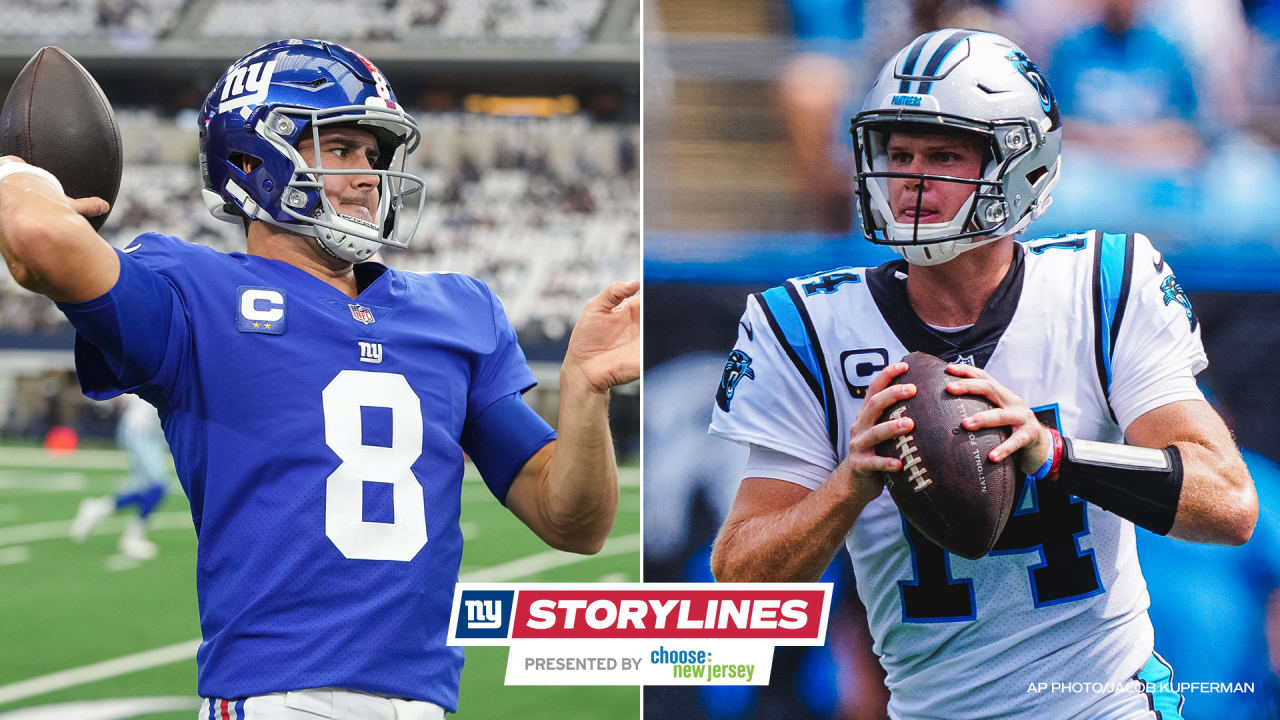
(485, 613)
(246, 85)
(370, 352)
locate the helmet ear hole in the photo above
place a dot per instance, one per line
(1035, 175)
(244, 162)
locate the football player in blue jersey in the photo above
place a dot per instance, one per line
(1086, 344)
(318, 406)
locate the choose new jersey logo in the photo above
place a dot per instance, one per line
(260, 310)
(485, 613)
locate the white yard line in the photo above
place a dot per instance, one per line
(15, 555)
(98, 671)
(106, 709)
(515, 569)
(43, 482)
(543, 561)
(60, 529)
(35, 457)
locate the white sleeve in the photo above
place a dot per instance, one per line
(1157, 349)
(766, 463)
(764, 400)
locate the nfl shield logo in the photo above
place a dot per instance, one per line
(361, 313)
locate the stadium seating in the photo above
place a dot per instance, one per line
(542, 210)
(538, 22)
(121, 21)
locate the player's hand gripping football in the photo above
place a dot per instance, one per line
(88, 207)
(604, 349)
(862, 467)
(1027, 437)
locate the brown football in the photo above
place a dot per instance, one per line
(948, 487)
(56, 117)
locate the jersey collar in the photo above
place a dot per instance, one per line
(974, 345)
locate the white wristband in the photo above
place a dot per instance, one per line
(17, 168)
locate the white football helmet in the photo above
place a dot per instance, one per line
(962, 81)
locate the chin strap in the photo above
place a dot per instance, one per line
(938, 253)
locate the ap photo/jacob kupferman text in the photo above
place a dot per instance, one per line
(368, 295)
(1053, 198)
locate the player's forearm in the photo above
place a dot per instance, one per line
(48, 247)
(792, 545)
(1218, 503)
(580, 490)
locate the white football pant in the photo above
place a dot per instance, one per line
(317, 703)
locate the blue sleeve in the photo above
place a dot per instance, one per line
(131, 337)
(502, 371)
(502, 438)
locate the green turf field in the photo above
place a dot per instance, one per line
(80, 623)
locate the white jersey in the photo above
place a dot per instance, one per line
(1092, 330)
(140, 434)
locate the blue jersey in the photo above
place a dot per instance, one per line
(320, 441)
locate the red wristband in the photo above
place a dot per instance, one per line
(1057, 455)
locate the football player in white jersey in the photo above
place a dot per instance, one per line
(1085, 343)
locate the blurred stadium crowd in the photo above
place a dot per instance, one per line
(532, 170)
(540, 208)
(1171, 103)
(450, 21)
(1171, 115)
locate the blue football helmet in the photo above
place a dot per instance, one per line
(256, 115)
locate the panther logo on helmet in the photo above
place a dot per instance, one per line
(1048, 102)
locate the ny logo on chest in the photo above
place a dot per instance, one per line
(370, 352)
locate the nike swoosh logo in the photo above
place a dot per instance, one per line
(1159, 263)
(131, 248)
(747, 326)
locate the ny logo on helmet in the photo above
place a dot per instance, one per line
(246, 85)
(736, 367)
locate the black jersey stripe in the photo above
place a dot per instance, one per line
(808, 377)
(829, 397)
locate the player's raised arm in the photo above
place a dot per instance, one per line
(567, 493)
(46, 240)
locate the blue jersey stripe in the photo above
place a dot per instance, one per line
(1113, 262)
(240, 709)
(213, 703)
(1158, 677)
(940, 56)
(829, 397)
(783, 309)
